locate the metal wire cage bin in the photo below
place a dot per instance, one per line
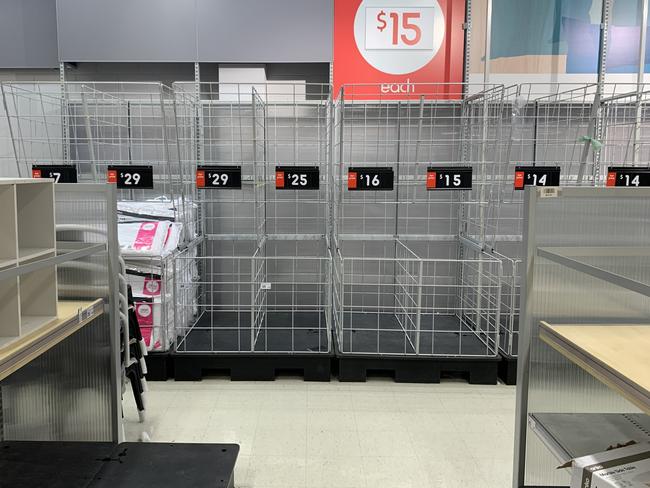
(623, 132)
(409, 278)
(264, 269)
(91, 127)
(552, 135)
(271, 301)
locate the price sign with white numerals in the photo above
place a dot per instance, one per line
(398, 49)
(536, 176)
(297, 177)
(62, 173)
(370, 179)
(449, 178)
(130, 177)
(218, 177)
(399, 28)
(628, 177)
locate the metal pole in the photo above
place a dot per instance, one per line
(488, 42)
(198, 112)
(640, 78)
(11, 132)
(602, 68)
(64, 114)
(89, 136)
(467, 26)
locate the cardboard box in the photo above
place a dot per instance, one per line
(625, 467)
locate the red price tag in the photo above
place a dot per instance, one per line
(352, 180)
(519, 180)
(200, 178)
(36, 173)
(279, 179)
(611, 178)
(111, 176)
(431, 180)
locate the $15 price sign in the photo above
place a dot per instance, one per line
(399, 28)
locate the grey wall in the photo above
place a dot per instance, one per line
(244, 31)
(28, 34)
(264, 31)
(126, 30)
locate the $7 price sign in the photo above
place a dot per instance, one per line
(399, 28)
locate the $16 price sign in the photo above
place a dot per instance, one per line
(399, 28)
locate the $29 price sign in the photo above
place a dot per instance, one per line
(297, 177)
(224, 177)
(628, 177)
(127, 176)
(399, 28)
(65, 173)
(370, 179)
(536, 176)
(449, 178)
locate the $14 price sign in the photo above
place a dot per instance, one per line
(399, 28)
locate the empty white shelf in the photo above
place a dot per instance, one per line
(29, 253)
(42, 333)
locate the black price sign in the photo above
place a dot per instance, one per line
(628, 177)
(370, 179)
(297, 177)
(66, 173)
(449, 178)
(131, 176)
(536, 176)
(220, 177)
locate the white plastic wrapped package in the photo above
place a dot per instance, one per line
(145, 238)
(173, 238)
(162, 208)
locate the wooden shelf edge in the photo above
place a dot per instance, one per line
(73, 315)
(606, 375)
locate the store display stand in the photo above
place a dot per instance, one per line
(105, 464)
(584, 373)
(507, 369)
(251, 367)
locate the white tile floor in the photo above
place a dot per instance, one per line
(379, 434)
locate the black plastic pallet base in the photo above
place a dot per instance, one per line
(508, 370)
(478, 371)
(251, 367)
(159, 366)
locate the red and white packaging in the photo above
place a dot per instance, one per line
(143, 238)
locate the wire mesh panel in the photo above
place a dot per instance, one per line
(228, 134)
(411, 139)
(264, 269)
(97, 125)
(263, 302)
(624, 132)
(297, 144)
(398, 303)
(549, 127)
(404, 283)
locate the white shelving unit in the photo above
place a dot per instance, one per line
(29, 300)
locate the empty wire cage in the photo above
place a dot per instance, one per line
(264, 269)
(624, 133)
(93, 126)
(408, 278)
(575, 131)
